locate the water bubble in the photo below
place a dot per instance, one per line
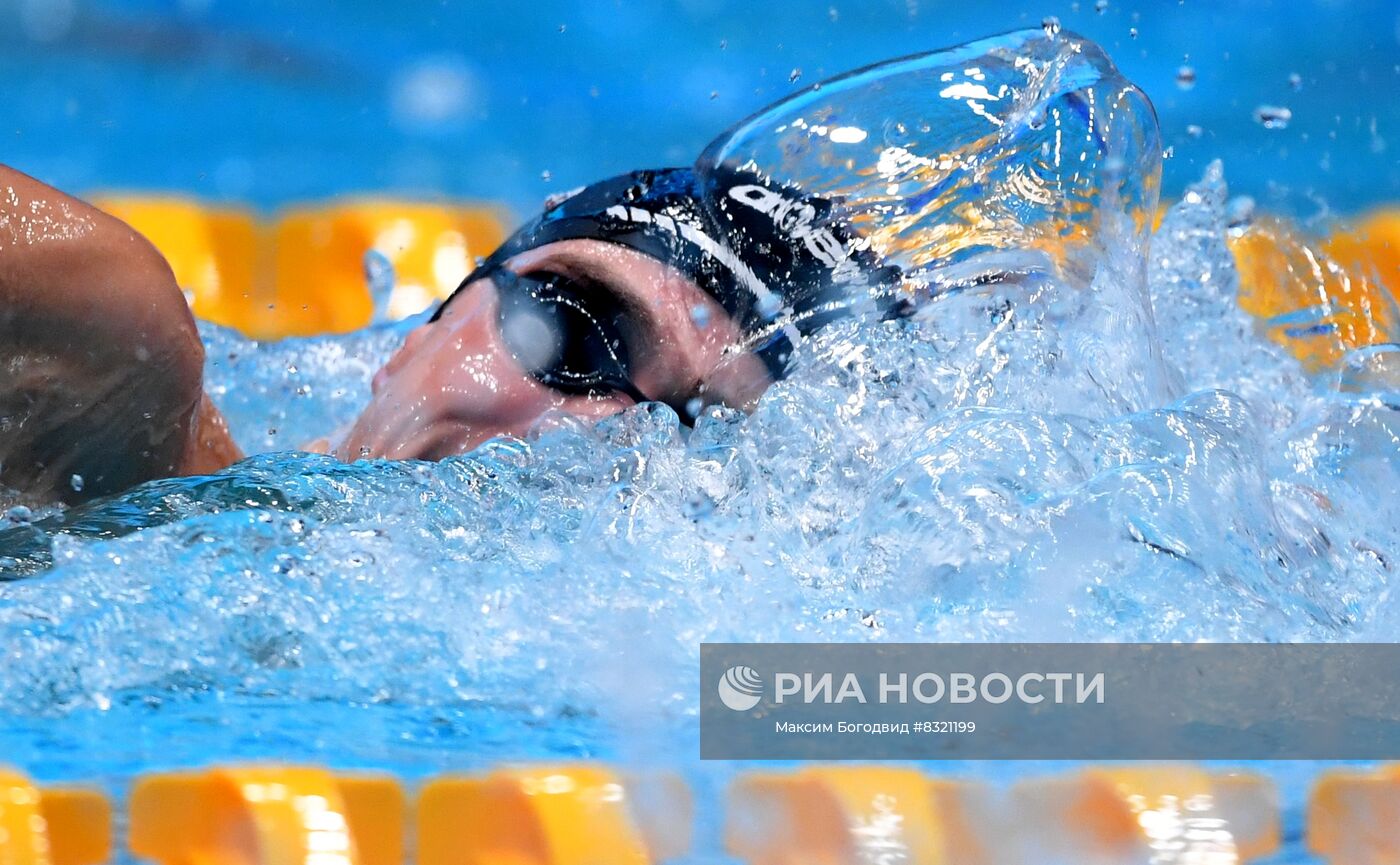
(724, 44)
(833, 14)
(1239, 211)
(714, 94)
(769, 307)
(1132, 33)
(19, 514)
(76, 482)
(1194, 131)
(563, 27)
(1101, 6)
(795, 74)
(693, 406)
(1272, 116)
(1051, 25)
(546, 175)
(1185, 77)
(433, 93)
(1295, 81)
(1374, 369)
(700, 315)
(534, 339)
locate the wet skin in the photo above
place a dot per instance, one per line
(101, 367)
(454, 383)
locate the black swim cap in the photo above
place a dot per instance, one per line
(780, 262)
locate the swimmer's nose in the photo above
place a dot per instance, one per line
(407, 350)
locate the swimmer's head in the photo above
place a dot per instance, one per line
(654, 285)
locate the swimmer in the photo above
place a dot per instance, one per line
(642, 287)
(685, 286)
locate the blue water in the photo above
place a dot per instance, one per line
(1028, 462)
(271, 101)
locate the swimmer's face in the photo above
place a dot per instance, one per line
(579, 326)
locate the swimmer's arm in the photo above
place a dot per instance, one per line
(101, 367)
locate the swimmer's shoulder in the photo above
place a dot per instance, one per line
(101, 366)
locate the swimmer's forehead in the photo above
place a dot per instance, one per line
(610, 263)
(649, 288)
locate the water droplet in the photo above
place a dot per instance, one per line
(1239, 211)
(1295, 81)
(1185, 77)
(700, 314)
(770, 306)
(1051, 25)
(379, 274)
(794, 75)
(1272, 116)
(432, 94)
(76, 482)
(1100, 6)
(693, 407)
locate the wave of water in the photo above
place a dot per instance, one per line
(910, 482)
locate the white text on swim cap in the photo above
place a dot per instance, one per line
(795, 218)
(764, 297)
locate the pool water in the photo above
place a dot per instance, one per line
(1008, 464)
(546, 597)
